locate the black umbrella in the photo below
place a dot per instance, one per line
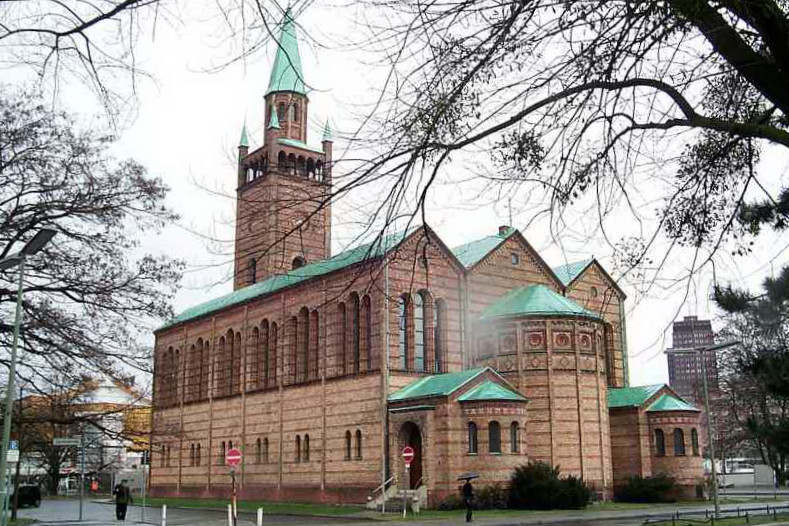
(469, 476)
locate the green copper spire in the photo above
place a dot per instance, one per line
(327, 134)
(244, 142)
(274, 120)
(286, 75)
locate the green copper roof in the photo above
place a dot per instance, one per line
(435, 385)
(668, 402)
(327, 134)
(286, 75)
(299, 144)
(567, 273)
(631, 396)
(244, 139)
(275, 283)
(471, 253)
(273, 122)
(533, 301)
(490, 390)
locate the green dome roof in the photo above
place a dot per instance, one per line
(536, 300)
(286, 75)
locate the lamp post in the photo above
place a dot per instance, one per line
(702, 353)
(33, 246)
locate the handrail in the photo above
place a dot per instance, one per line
(382, 485)
(418, 483)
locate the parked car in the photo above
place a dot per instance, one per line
(29, 496)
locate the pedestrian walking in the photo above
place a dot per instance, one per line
(468, 498)
(122, 500)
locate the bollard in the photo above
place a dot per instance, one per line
(747, 518)
(229, 515)
(260, 516)
(164, 514)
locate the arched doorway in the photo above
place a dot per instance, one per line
(410, 435)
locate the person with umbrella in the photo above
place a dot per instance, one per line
(468, 493)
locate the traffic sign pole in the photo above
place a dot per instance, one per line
(408, 457)
(233, 459)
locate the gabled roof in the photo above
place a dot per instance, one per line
(669, 402)
(344, 259)
(567, 273)
(632, 396)
(472, 253)
(490, 390)
(286, 75)
(533, 301)
(436, 385)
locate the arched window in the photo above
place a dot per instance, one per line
(494, 437)
(347, 445)
(258, 452)
(197, 455)
(167, 456)
(439, 332)
(298, 262)
(219, 368)
(176, 387)
(282, 159)
(660, 443)
(298, 448)
(304, 341)
(694, 440)
(192, 455)
(402, 327)
(514, 437)
(263, 355)
(312, 361)
(342, 338)
(367, 336)
(311, 167)
(265, 450)
(301, 165)
(319, 170)
(253, 357)
(235, 375)
(679, 442)
(419, 333)
(293, 350)
(355, 336)
(205, 370)
(358, 444)
(162, 458)
(292, 162)
(193, 375)
(295, 112)
(252, 269)
(472, 438)
(272, 354)
(281, 112)
(220, 458)
(306, 455)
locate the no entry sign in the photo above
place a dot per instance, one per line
(233, 457)
(408, 455)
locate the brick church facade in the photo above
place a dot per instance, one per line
(322, 368)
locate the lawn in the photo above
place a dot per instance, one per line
(21, 522)
(269, 508)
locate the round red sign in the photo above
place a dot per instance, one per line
(233, 457)
(408, 455)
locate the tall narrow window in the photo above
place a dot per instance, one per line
(304, 344)
(258, 452)
(272, 354)
(252, 269)
(439, 315)
(402, 313)
(296, 115)
(355, 337)
(306, 455)
(660, 443)
(419, 333)
(679, 442)
(342, 338)
(514, 437)
(312, 361)
(358, 445)
(494, 437)
(192, 455)
(205, 378)
(253, 356)
(281, 112)
(220, 458)
(347, 445)
(293, 350)
(263, 357)
(265, 450)
(298, 448)
(367, 335)
(472, 438)
(694, 440)
(235, 378)
(197, 454)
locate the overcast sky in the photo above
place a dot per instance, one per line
(187, 125)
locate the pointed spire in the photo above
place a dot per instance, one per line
(327, 134)
(286, 75)
(273, 122)
(244, 142)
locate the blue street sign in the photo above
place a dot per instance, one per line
(14, 444)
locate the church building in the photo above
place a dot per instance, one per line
(321, 368)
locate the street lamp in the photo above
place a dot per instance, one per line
(700, 352)
(33, 246)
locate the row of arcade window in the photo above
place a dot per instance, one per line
(289, 163)
(357, 445)
(194, 454)
(494, 437)
(422, 333)
(679, 442)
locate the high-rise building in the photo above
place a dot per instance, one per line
(685, 368)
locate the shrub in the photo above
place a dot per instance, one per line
(491, 497)
(660, 488)
(452, 502)
(538, 486)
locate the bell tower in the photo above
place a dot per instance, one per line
(283, 208)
